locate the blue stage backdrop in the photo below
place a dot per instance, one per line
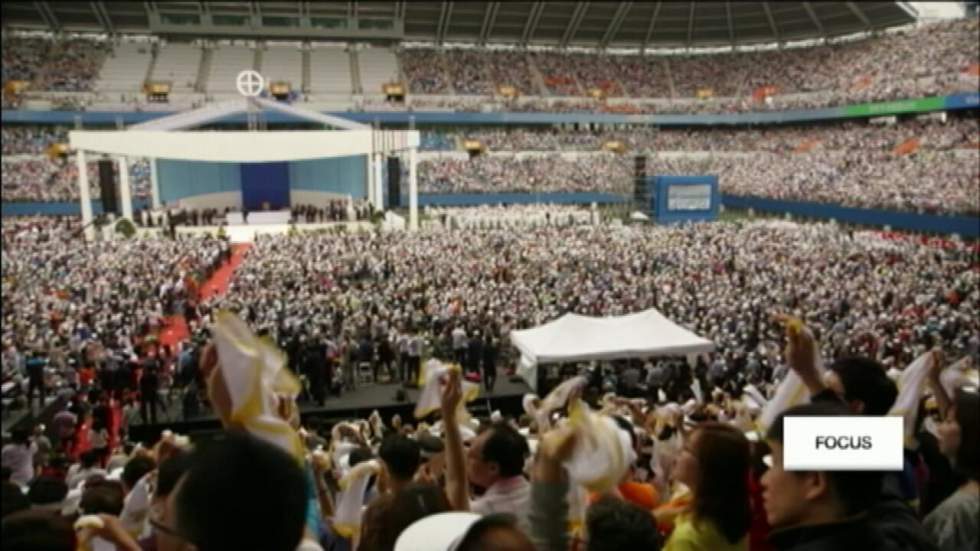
(684, 198)
(265, 183)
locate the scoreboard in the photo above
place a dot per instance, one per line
(684, 198)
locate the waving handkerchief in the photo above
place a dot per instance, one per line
(347, 520)
(255, 383)
(961, 373)
(557, 398)
(602, 453)
(433, 376)
(911, 383)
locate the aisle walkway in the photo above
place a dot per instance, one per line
(175, 327)
(219, 282)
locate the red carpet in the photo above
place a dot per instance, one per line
(174, 330)
(218, 283)
(175, 327)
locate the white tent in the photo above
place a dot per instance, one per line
(576, 338)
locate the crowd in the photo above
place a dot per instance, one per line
(932, 59)
(56, 65)
(39, 178)
(77, 315)
(956, 133)
(656, 455)
(512, 216)
(538, 174)
(932, 181)
(32, 139)
(926, 60)
(334, 211)
(851, 163)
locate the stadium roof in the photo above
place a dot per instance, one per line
(584, 24)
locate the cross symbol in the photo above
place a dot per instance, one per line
(249, 83)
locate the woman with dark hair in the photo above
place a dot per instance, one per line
(714, 465)
(391, 514)
(954, 523)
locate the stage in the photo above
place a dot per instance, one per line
(359, 403)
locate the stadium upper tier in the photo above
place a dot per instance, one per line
(914, 166)
(928, 60)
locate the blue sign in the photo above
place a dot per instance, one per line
(684, 198)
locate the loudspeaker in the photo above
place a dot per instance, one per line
(641, 195)
(107, 186)
(394, 182)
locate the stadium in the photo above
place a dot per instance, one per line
(412, 276)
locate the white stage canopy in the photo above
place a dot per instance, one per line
(576, 338)
(170, 137)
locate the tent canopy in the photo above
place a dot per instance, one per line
(576, 338)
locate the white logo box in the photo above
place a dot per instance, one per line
(842, 443)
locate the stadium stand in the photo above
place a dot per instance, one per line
(617, 371)
(119, 73)
(283, 63)
(226, 62)
(179, 65)
(330, 72)
(378, 66)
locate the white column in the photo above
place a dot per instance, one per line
(379, 193)
(154, 184)
(85, 196)
(125, 196)
(369, 178)
(413, 190)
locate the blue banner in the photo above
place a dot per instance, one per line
(60, 208)
(966, 226)
(490, 199)
(265, 185)
(969, 100)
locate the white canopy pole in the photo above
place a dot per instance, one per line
(85, 195)
(379, 190)
(369, 179)
(413, 190)
(154, 184)
(125, 196)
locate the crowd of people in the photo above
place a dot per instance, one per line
(926, 60)
(535, 174)
(935, 182)
(511, 216)
(662, 454)
(851, 163)
(78, 314)
(931, 59)
(955, 133)
(931, 182)
(33, 177)
(56, 65)
(333, 211)
(32, 139)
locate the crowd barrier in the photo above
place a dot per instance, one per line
(967, 100)
(965, 226)
(490, 199)
(59, 208)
